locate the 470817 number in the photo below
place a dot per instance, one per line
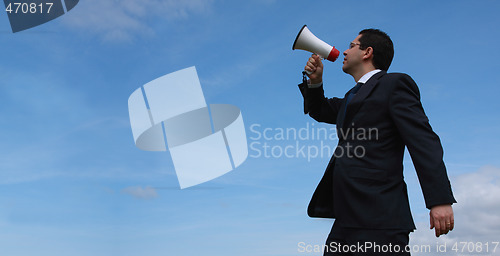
(25, 8)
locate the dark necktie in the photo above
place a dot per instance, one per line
(351, 94)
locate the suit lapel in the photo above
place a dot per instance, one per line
(355, 102)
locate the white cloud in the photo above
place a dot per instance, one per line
(477, 217)
(120, 20)
(140, 193)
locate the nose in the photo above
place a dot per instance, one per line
(345, 53)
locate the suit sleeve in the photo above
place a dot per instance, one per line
(422, 142)
(318, 106)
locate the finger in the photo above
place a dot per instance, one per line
(452, 222)
(432, 222)
(311, 64)
(317, 60)
(444, 228)
(310, 69)
(448, 226)
(312, 60)
(437, 227)
(315, 57)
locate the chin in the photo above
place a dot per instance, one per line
(345, 69)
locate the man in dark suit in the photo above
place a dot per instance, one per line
(363, 186)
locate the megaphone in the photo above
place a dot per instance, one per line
(306, 40)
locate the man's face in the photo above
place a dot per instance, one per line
(353, 57)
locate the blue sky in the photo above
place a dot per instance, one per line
(72, 181)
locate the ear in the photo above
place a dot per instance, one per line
(368, 53)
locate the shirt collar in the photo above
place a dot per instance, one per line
(368, 75)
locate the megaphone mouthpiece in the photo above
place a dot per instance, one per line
(307, 41)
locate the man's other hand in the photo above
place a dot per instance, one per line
(441, 217)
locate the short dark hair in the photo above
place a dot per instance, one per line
(383, 49)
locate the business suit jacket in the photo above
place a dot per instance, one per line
(363, 184)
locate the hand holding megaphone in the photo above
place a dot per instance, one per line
(307, 41)
(314, 69)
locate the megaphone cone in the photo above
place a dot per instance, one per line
(307, 41)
